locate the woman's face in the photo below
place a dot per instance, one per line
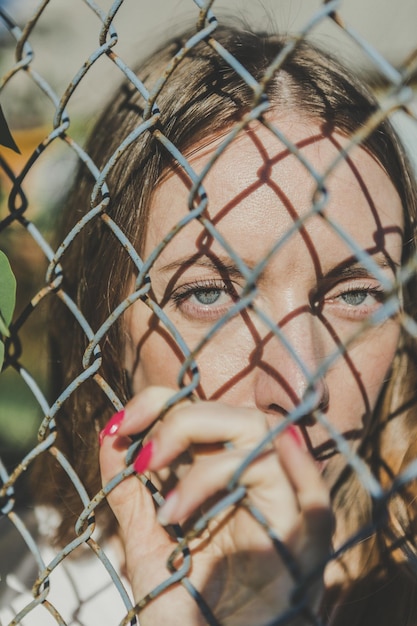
(313, 289)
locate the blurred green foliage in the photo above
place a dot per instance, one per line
(7, 300)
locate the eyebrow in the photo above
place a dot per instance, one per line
(223, 264)
(350, 268)
(354, 268)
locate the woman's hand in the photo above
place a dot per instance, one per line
(234, 564)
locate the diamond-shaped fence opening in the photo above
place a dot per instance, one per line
(233, 221)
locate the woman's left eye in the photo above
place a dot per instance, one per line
(357, 301)
(357, 297)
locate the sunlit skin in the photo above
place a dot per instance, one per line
(313, 287)
(319, 295)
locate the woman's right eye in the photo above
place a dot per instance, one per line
(204, 300)
(207, 296)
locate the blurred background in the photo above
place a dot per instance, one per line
(63, 37)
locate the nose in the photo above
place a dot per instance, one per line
(287, 362)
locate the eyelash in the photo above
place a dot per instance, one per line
(361, 309)
(185, 293)
(182, 296)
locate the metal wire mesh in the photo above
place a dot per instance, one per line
(395, 93)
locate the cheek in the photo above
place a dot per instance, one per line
(158, 362)
(354, 395)
(377, 358)
(226, 371)
(154, 357)
(356, 386)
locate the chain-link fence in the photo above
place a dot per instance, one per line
(95, 323)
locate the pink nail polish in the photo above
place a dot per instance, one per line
(112, 426)
(143, 459)
(294, 433)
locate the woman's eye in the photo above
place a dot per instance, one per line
(207, 296)
(356, 302)
(206, 300)
(356, 297)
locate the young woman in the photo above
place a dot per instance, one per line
(283, 243)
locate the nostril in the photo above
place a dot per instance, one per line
(277, 409)
(322, 404)
(323, 390)
(306, 421)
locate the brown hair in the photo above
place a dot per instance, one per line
(203, 95)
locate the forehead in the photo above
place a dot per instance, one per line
(257, 189)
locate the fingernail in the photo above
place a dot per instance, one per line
(166, 511)
(112, 426)
(143, 459)
(294, 433)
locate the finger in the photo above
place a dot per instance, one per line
(144, 409)
(302, 471)
(130, 500)
(146, 543)
(311, 490)
(204, 424)
(264, 479)
(291, 483)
